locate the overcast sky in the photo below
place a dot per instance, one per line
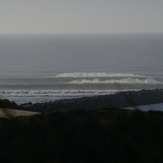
(81, 16)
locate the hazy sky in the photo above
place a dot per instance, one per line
(81, 16)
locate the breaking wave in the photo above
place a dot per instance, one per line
(51, 92)
(121, 81)
(72, 85)
(102, 74)
(73, 80)
(24, 96)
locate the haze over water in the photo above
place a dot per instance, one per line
(40, 68)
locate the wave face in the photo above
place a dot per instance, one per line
(121, 81)
(94, 75)
(71, 85)
(86, 81)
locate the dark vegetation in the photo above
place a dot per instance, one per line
(106, 135)
(4, 103)
(94, 131)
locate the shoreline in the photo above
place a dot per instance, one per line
(118, 100)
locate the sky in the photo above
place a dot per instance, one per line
(81, 16)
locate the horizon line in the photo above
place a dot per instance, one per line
(81, 33)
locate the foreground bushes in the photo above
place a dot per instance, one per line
(81, 136)
(4, 103)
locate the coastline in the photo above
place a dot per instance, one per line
(120, 134)
(118, 100)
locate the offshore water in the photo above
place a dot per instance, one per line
(40, 68)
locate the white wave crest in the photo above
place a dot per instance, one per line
(100, 74)
(48, 93)
(120, 81)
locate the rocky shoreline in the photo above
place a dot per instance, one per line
(119, 100)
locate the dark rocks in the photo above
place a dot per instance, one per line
(121, 99)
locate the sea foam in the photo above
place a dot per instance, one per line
(120, 81)
(101, 74)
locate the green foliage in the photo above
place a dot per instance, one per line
(105, 135)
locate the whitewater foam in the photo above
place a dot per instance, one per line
(23, 96)
(121, 81)
(72, 85)
(101, 74)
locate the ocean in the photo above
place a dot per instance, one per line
(42, 68)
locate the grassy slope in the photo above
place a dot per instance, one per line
(14, 113)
